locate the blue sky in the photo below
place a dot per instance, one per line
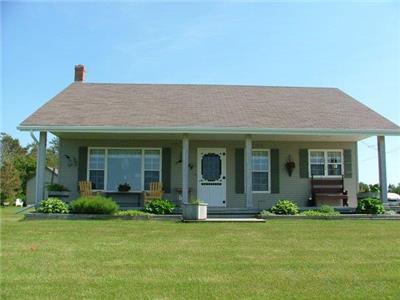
(355, 47)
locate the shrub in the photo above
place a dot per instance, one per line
(56, 187)
(266, 213)
(53, 206)
(132, 213)
(159, 207)
(94, 205)
(285, 207)
(321, 212)
(370, 206)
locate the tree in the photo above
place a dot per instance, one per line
(10, 180)
(394, 189)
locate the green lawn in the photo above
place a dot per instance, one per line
(299, 259)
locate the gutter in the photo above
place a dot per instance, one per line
(208, 130)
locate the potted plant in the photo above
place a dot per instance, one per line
(194, 210)
(124, 187)
(56, 190)
(368, 191)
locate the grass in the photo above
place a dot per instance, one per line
(293, 259)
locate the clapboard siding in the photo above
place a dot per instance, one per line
(294, 187)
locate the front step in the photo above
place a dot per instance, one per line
(226, 220)
(230, 216)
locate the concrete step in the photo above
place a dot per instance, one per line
(227, 220)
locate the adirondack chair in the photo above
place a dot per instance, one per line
(19, 202)
(85, 188)
(155, 192)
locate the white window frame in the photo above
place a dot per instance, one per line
(269, 171)
(325, 161)
(106, 165)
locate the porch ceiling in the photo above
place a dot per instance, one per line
(178, 136)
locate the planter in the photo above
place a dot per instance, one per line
(194, 211)
(368, 195)
(58, 194)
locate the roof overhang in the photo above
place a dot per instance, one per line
(213, 130)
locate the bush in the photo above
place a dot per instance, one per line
(285, 207)
(94, 205)
(56, 187)
(370, 206)
(132, 213)
(159, 207)
(324, 210)
(53, 206)
(266, 213)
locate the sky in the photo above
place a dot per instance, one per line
(354, 47)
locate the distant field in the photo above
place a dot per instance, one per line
(293, 259)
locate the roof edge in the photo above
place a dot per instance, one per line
(209, 130)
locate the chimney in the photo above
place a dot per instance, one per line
(79, 73)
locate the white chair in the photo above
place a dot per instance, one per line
(19, 202)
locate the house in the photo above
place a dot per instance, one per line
(226, 145)
(50, 176)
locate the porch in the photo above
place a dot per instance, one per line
(192, 165)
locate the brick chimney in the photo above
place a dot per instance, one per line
(80, 73)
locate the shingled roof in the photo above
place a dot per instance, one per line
(94, 105)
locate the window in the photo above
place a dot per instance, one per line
(260, 161)
(96, 168)
(152, 167)
(326, 162)
(110, 167)
(124, 166)
(211, 167)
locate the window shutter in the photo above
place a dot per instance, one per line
(166, 169)
(348, 172)
(303, 163)
(239, 171)
(82, 163)
(275, 171)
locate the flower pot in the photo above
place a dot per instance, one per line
(58, 194)
(194, 211)
(368, 195)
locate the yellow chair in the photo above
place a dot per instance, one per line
(155, 192)
(85, 188)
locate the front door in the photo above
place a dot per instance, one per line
(211, 176)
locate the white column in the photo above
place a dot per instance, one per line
(248, 174)
(185, 169)
(40, 167)
(382, 167)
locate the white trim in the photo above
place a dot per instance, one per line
(207, 130)
(142, 149)
(325, 161)
(269, 171)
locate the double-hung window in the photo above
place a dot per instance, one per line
(97, 168)
(325, 162)
(151, 167)
(110, 167)
(261, 170)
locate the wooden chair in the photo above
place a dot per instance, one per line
(328, 190)
(85, 188)
(155, 192)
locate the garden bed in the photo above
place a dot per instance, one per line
(45, 216)
(340, 217)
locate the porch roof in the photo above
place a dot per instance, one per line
(207, 109)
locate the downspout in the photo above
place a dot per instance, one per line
(34, 137)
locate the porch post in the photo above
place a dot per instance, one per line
(40, 167)
(248, 171)
(382, 167)
(185, 169)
